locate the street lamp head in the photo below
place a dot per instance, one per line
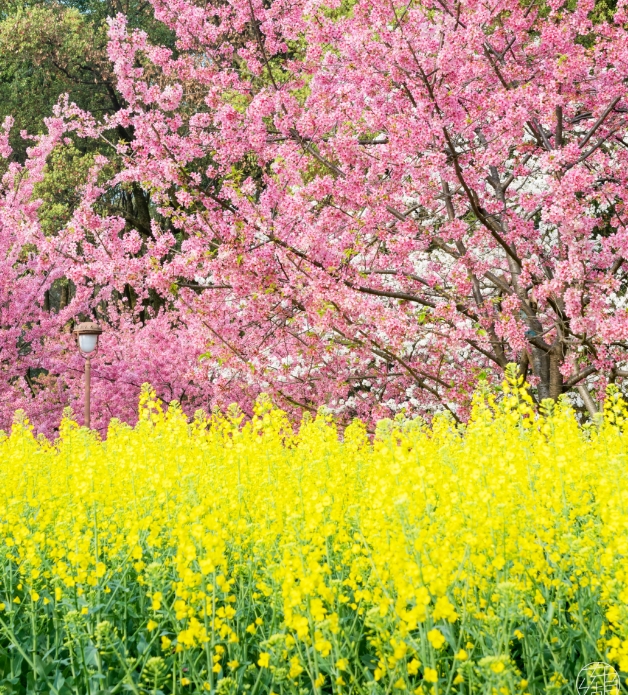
(87, 333)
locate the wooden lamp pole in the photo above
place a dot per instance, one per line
(87, 336)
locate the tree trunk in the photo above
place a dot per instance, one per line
(64, 300)
(586, 397)
(555, 377)
(541, 367)
(524, 363)
(141, 206)
(130, 295)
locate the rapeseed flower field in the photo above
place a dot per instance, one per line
(226, 556)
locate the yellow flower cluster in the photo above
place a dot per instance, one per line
(227, 556)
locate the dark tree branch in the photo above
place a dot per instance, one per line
(577, 378)
(599, 122)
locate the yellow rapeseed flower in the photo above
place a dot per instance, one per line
(240, 536)
(430, 675)
(436, 638)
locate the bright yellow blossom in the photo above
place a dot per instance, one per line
(430, 675)
(413, 667)
(305, 546)
(436, 638)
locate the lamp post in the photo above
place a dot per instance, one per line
(87, 335)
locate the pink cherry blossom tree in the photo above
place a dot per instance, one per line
(41, 369)
(25, 274)
(364, 204)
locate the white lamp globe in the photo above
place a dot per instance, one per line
(87, 334)
(88, 342)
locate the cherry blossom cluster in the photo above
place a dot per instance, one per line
(366, 205)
